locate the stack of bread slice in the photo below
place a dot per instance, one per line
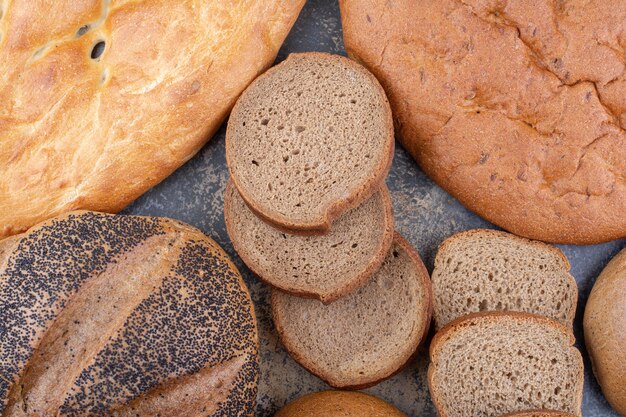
(504, 308)
(309, 145)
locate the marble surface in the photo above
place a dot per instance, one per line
(424, 214)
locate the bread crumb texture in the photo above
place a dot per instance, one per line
(123, 315)
(516, 108)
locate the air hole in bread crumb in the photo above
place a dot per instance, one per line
(280, 127)
(353, 101)
(98, 49)
(255, 162)
(483, 305)
(285, 158)
(395, 254)
(295, 152)
(300, 129)
(82, 30)
(354, 245)
(264, 122)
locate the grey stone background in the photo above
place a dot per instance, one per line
(424, 214)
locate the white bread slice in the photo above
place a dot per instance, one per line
(489, 364)
(366, 336)
(309, 140)
(325, 267)
(489, 270)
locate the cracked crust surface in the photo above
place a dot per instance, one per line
(517, 108)
(93, 127)
(123, 315)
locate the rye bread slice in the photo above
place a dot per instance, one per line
(325, 267)
(489, 270)
(367, 336)
(309, 140)
(539, 413)
(489, 364)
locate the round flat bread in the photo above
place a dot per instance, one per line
(516, 109)
(101, 100)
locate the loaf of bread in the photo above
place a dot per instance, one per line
(366, 336)
(325, 267)
(489, 364)
(605, 331)
(309, 140)
(517, 108)
(489, 270)
(339, 404)
(101, 100)
(126, 316)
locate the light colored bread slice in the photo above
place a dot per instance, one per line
(489, 364)
(605, 331)
(539, 413)
(309, 140)
(489, 270)
(366, 336)
(339, 404)
(325, 267)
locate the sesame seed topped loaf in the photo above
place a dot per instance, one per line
(309, 140)
(490, 364)
(327, 266)
(517, 108)
(100, 100)
(366, 336)
(339, 404)
(126, 316)
(489, 270)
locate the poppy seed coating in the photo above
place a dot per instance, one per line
(130, 308)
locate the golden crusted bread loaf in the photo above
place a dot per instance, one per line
(339, 404)
(101, 100)
(123, 315)
(517, 108)
(605, 331)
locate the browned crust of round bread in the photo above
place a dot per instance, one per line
(538, 244)
(442, 335)
(356, 196)
(531, 182)
(349, 404)
(43, 169)
(539, 413)
(399, 365)
(358, 280)
(604, 326)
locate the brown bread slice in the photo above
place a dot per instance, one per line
(325, 267)
(339, 404)
(489, 364)
(123, 315)
(309, 140)
(539, 413)
(366, 336)
(605, 331)
(489, 270)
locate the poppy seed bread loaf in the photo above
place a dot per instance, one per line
(309, 140)
(123, 315)
(325, 267)
(366, 336)
(489, 270)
